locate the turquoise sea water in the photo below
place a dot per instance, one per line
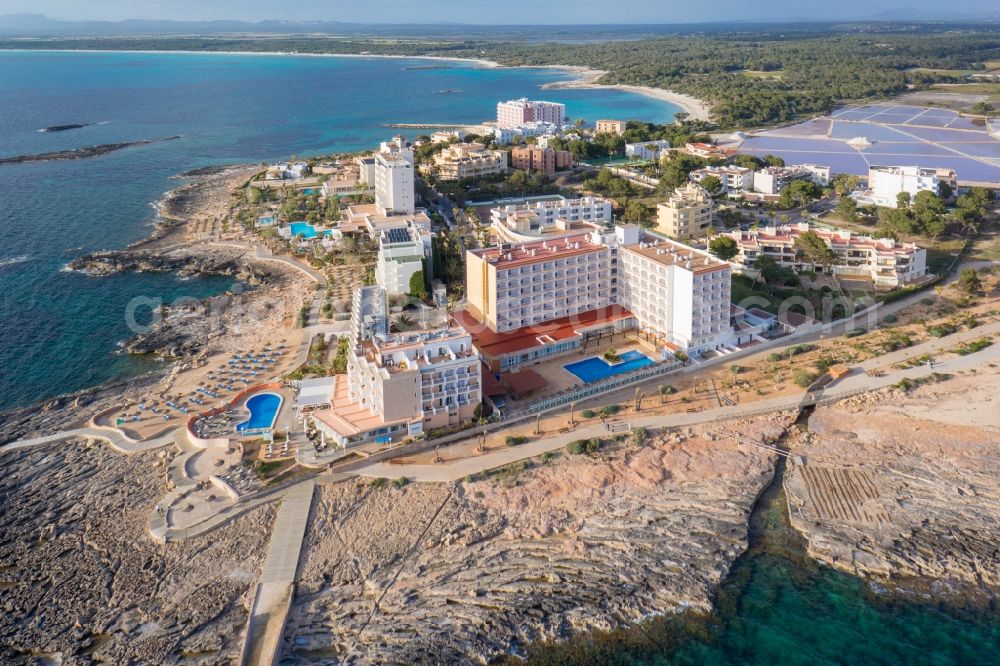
(60, 330)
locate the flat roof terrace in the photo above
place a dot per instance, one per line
(536, 251)
(669, 253)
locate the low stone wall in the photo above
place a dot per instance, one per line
(239, 397)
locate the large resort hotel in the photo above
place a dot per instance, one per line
(534, 300)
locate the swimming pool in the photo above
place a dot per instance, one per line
(263, 408)
(306, 230)
(596, 368)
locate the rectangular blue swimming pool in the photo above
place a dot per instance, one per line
(596, 368)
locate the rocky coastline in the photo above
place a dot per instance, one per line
(902, 490)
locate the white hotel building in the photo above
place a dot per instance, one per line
(531, 300)
(884, 262)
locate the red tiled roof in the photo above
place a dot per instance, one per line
(524, 381)
(493, 344)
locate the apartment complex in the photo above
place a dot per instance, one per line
(523, 111)
(648, 150)
(686, 214)
(886, 183)
(538, 219)
(402, 252)
(541, 160)
(884, 262)
(530, 301)
(469, 160)
(734, 178)
(773, 179)
(400, 384)
(610, 127)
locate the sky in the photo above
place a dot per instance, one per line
(490, 11)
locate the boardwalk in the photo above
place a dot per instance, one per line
(277, 580)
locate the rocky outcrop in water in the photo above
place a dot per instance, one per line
(81, 153)
(184, 264)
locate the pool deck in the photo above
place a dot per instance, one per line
(560, 379)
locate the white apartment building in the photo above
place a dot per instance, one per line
(506, 135)
(648, 150)
(734, 178)
(394, 184)
(528, 221)
(773, 179)
(515, 112)
(402, 252)
(885, 183)
(676, 292)
(400, 384)
(469, 160)
(884, 262)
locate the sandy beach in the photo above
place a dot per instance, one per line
(587, 78)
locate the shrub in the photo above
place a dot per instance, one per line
(640, 435)
(547, 456)
(890, 319)
(587, 414)
(972, 347)
(681, 356)
(855, 332)
(667, 389)
(804, 378)
(927, 301)
(400, 482)
(774, 357)
(941, 330)
(515, 440)
(377, 483)
(610, 410)
(593, 445)
(577, 447)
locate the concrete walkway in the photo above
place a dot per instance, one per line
(277, 580)
(115, 439)
(859, 382)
